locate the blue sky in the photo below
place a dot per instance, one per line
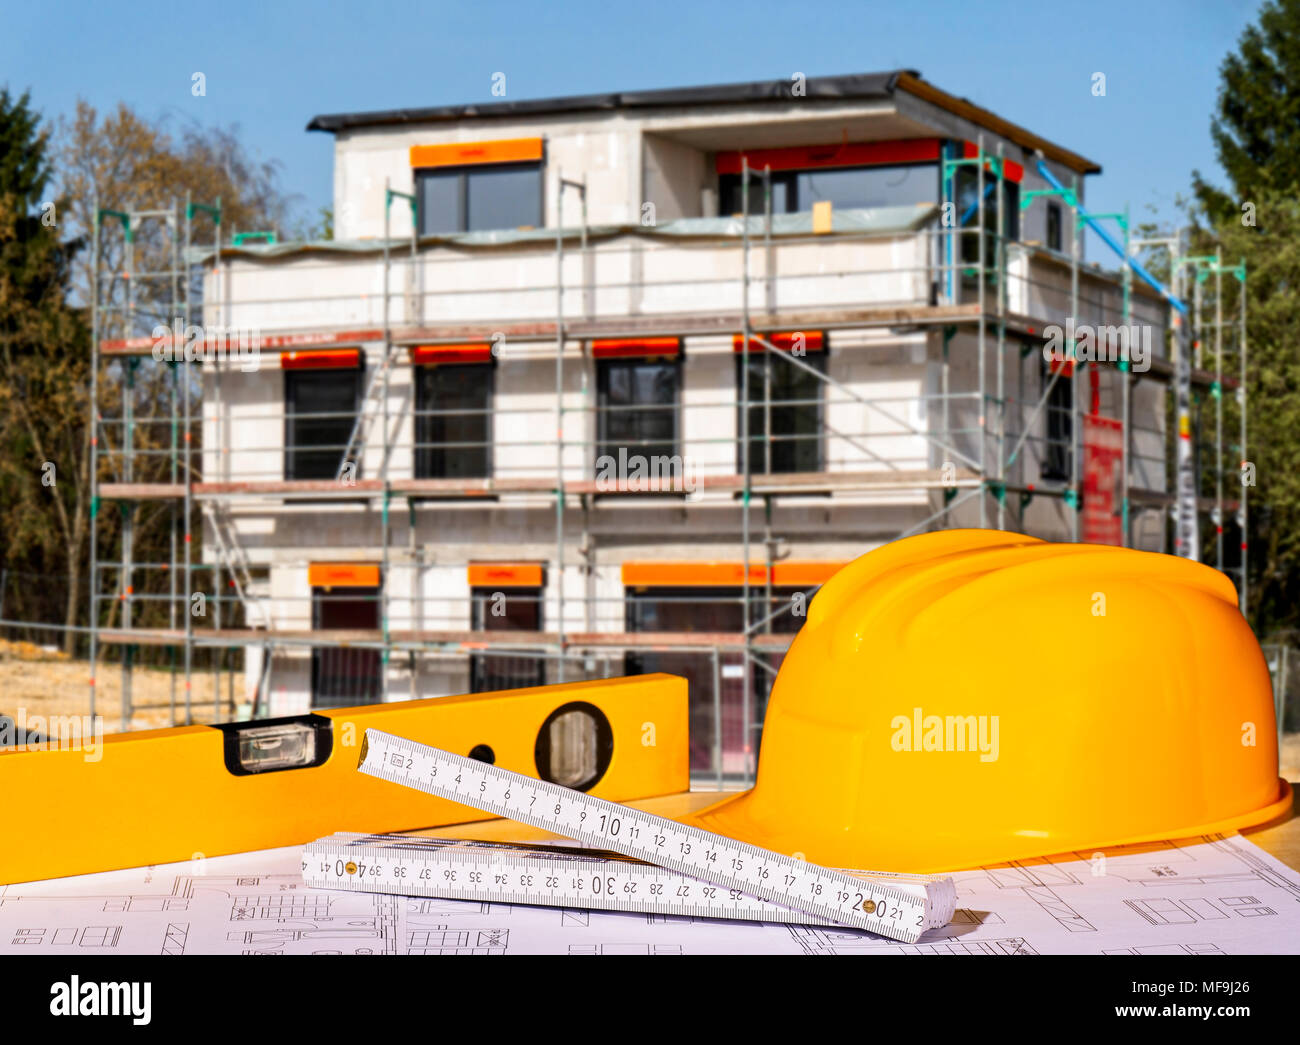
(271, 66)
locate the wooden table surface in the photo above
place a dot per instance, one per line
(1281, 838)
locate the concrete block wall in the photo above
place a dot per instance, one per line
(627, 161)
(603, 149)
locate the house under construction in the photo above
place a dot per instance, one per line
(609, 384)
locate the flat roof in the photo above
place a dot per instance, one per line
(854, 87)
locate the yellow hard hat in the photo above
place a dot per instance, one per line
(974, 696)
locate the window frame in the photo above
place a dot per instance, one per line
(292, 378)
(1058, 426)
(604, 442)
(462, 173)
(742, 358)
(729, 185)
(709, 733)
(424, 456)
(1054, 212)
(513, 663)
(1005, 215)
(371, 596)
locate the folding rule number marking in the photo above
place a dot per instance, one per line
(898, 906)
(545, 874)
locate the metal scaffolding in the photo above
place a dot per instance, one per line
(981, 468)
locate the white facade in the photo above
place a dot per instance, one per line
(884, 409)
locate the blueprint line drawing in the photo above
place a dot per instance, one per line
(254, 907)
(1213, 895)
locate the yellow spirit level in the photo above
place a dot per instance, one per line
(167, 795)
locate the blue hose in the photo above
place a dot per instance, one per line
(1109, 240)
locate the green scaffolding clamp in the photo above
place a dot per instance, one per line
(994, 162)
(213, 211)
(998, 490)
(240, 238)
(1072, 498)
(1205, 265)
(410, 198)
(1119, 217)
(121, 216)
(1026, 198)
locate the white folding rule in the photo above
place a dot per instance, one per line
(673, 868)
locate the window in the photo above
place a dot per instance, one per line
(792, 398)
(875, 186)
(637, 401)
(320, 411)
(453, 424)
(1011, 201)
(1054, 238)
(706, 610)
(731, 202)
(868, 186)
(1058, 451)
(966, 195)
(481, 197)
(711, 609)
(513, 609)
(342, 677)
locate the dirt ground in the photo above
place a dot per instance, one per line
(41, 682)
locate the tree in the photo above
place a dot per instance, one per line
(1256, 219)
(1271, 250)
(1256, 124)
(120, 161)
(43, 368)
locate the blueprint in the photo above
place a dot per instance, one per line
(1216, 895)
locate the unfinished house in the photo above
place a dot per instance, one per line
(610, 384)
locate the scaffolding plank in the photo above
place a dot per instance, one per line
(1158, 498)
(787, 483)
(453, 641)
(666, 324)
(141, 491)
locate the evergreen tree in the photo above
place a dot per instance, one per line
(43, 367)
(1256, 219)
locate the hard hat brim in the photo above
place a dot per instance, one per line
(731, 817)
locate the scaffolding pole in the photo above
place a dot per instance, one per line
(1242, 401)
(561, 183)
(93, 436)
(1126, 405)
(981, 334)
(988, 175)
(747, 480)
(1217, 392)
(214, 212)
